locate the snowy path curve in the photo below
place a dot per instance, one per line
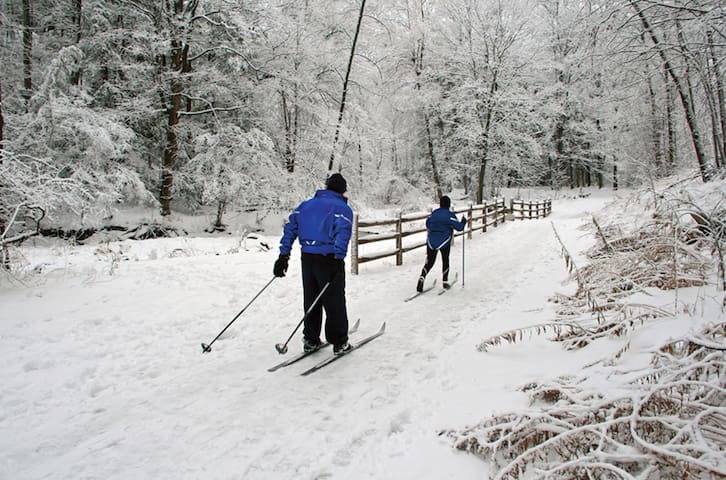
(104, 378)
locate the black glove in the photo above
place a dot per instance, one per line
(281, 265)
(463, 219)
(338, 262)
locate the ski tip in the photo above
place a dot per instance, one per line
(383, 327)
(355, 325)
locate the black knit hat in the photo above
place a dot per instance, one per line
(336, 183)
(445, 202)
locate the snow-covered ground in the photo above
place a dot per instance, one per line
(103, 375)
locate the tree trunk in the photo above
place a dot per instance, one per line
(418, 69)
(180, 29)
(720, 94)
(218, 225)
(172, 141)
(173, 108)
(484, 148)
(345, 86)
(432, 157)
(670, 156)
(2, 125)
(484, 159)
(287, 125)
(290, 122)
(559, 141)
(480, 179)
(655, 127)
(27, 53)
(360, 163)
(600, 171)
(78, 25)
(714, 117)
(686, 101)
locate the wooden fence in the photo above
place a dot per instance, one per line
(522, 210)
(481, 217)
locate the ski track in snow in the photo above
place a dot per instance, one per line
(103, 376)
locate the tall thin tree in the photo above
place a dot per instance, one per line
(345, 85)
(27, 53)
(683, 92)
(179, 65)
(2, 124)
(77, 17)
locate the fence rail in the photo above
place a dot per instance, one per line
(480, 218)
(522, 210)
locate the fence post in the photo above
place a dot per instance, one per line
(354, 249)
(469, 222)
(511, 208)
(529, 210)
(484, 212)
(399, 240)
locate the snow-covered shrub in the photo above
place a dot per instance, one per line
(233, 168)
(617, 421)
(396, 191)
(664, 422)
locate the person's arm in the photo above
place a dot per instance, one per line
(289, 233)
(456, 224)
(343, 230)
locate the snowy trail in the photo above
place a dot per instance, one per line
(104, 377)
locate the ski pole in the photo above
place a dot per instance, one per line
(282, 348)
(208, 348)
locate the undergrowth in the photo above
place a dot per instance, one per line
(666, 421)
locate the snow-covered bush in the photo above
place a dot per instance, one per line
(233, 168)
(615, 420)
(664, 422)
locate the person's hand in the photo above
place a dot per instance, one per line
(338, 261)
(280, 267)
(463, 219)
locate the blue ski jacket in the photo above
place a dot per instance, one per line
(323, 225)
(441, 224)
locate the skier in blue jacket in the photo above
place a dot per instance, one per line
(323, 225)
(440, 225)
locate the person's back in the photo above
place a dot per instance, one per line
(324, 224)
(441, 224)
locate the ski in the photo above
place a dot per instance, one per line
(451, 284)
(304, 354)
(334, 357)
(418, 294)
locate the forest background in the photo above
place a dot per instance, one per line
(205, 109)
(195, 106)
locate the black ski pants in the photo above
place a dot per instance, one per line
(431, 259)
(317, 270)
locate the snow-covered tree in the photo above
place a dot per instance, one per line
(233, 168)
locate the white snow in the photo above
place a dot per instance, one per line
(103, 376)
